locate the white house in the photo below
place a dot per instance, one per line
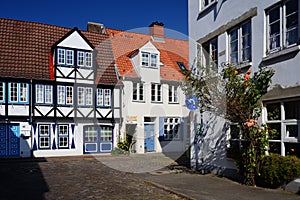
(249, 34)
(153, 108)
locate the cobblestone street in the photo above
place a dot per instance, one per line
(72, 178)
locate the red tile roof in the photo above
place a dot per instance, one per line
(25, 47)
(124, 44)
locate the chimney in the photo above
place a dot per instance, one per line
(157, 30)
(96, 28)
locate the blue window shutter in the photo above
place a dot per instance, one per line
(161, 128)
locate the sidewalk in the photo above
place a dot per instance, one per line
(211, 187)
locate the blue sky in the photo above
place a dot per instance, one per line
(117, 14)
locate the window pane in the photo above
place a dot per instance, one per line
(274, 28)
(80, 96)
(23, 92)
(141, 92)
(61, 94)
(48, 93)
(246, 42)
(91, 134)
(153, 60)
(234, 46)
(107, 97)
(273, 111)
(145, 59)
(275, 147)
(61, 56)
(1, 91)
(292, 131)
(99, 97)
(274, 131)
(13, 92)
(69, 95)
(134, 93)
(292, 149)
(292, 109)
(158, 92)
(69, 55)
(80, 58)
(89, 96)
(153, 92)
(39, 93)
(106, 133)
(88, 59)
(291, 22)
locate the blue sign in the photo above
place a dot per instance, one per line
(192, 102)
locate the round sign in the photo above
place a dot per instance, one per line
(192, 102)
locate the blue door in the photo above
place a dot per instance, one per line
(149, 137)
(97, 139)
(9, 140)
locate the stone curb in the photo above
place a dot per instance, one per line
(167, 189)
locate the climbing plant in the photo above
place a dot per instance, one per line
(236, 97)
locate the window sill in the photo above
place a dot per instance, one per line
(158, 102)
(176, 103)
(280, 53)
(242, 65)
(137, 101)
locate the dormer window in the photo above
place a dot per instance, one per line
(149, 60)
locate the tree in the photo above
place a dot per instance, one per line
(236, 97)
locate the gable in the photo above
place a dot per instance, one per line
(149, 47)
(76, 41)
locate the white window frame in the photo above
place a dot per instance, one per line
(107, 97)
(156, 93)
(173, 94)
(43, 94)
(69, 57)
(63, 94)
(80, 96)
(100, 100)
(103, 97)
(84, 59)
(88, 59)
(63, 136)
(153, 60)
(43, 137)
(240, 45)
(284, 137)
(149, 60)
(2, 92)
(210, 56)
(85, 96)
(20, 94)
(80, 58)
(138, 91)
(282, 28)
(145, 59)
(61, 56)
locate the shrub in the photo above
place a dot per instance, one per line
(124, 145)
(277, 170)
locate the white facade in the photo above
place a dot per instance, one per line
(153, 112)
(273, 41)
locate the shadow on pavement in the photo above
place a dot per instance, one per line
(22, 179)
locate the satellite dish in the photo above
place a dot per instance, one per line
(192, 102)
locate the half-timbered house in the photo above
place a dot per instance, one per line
(58, 90)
